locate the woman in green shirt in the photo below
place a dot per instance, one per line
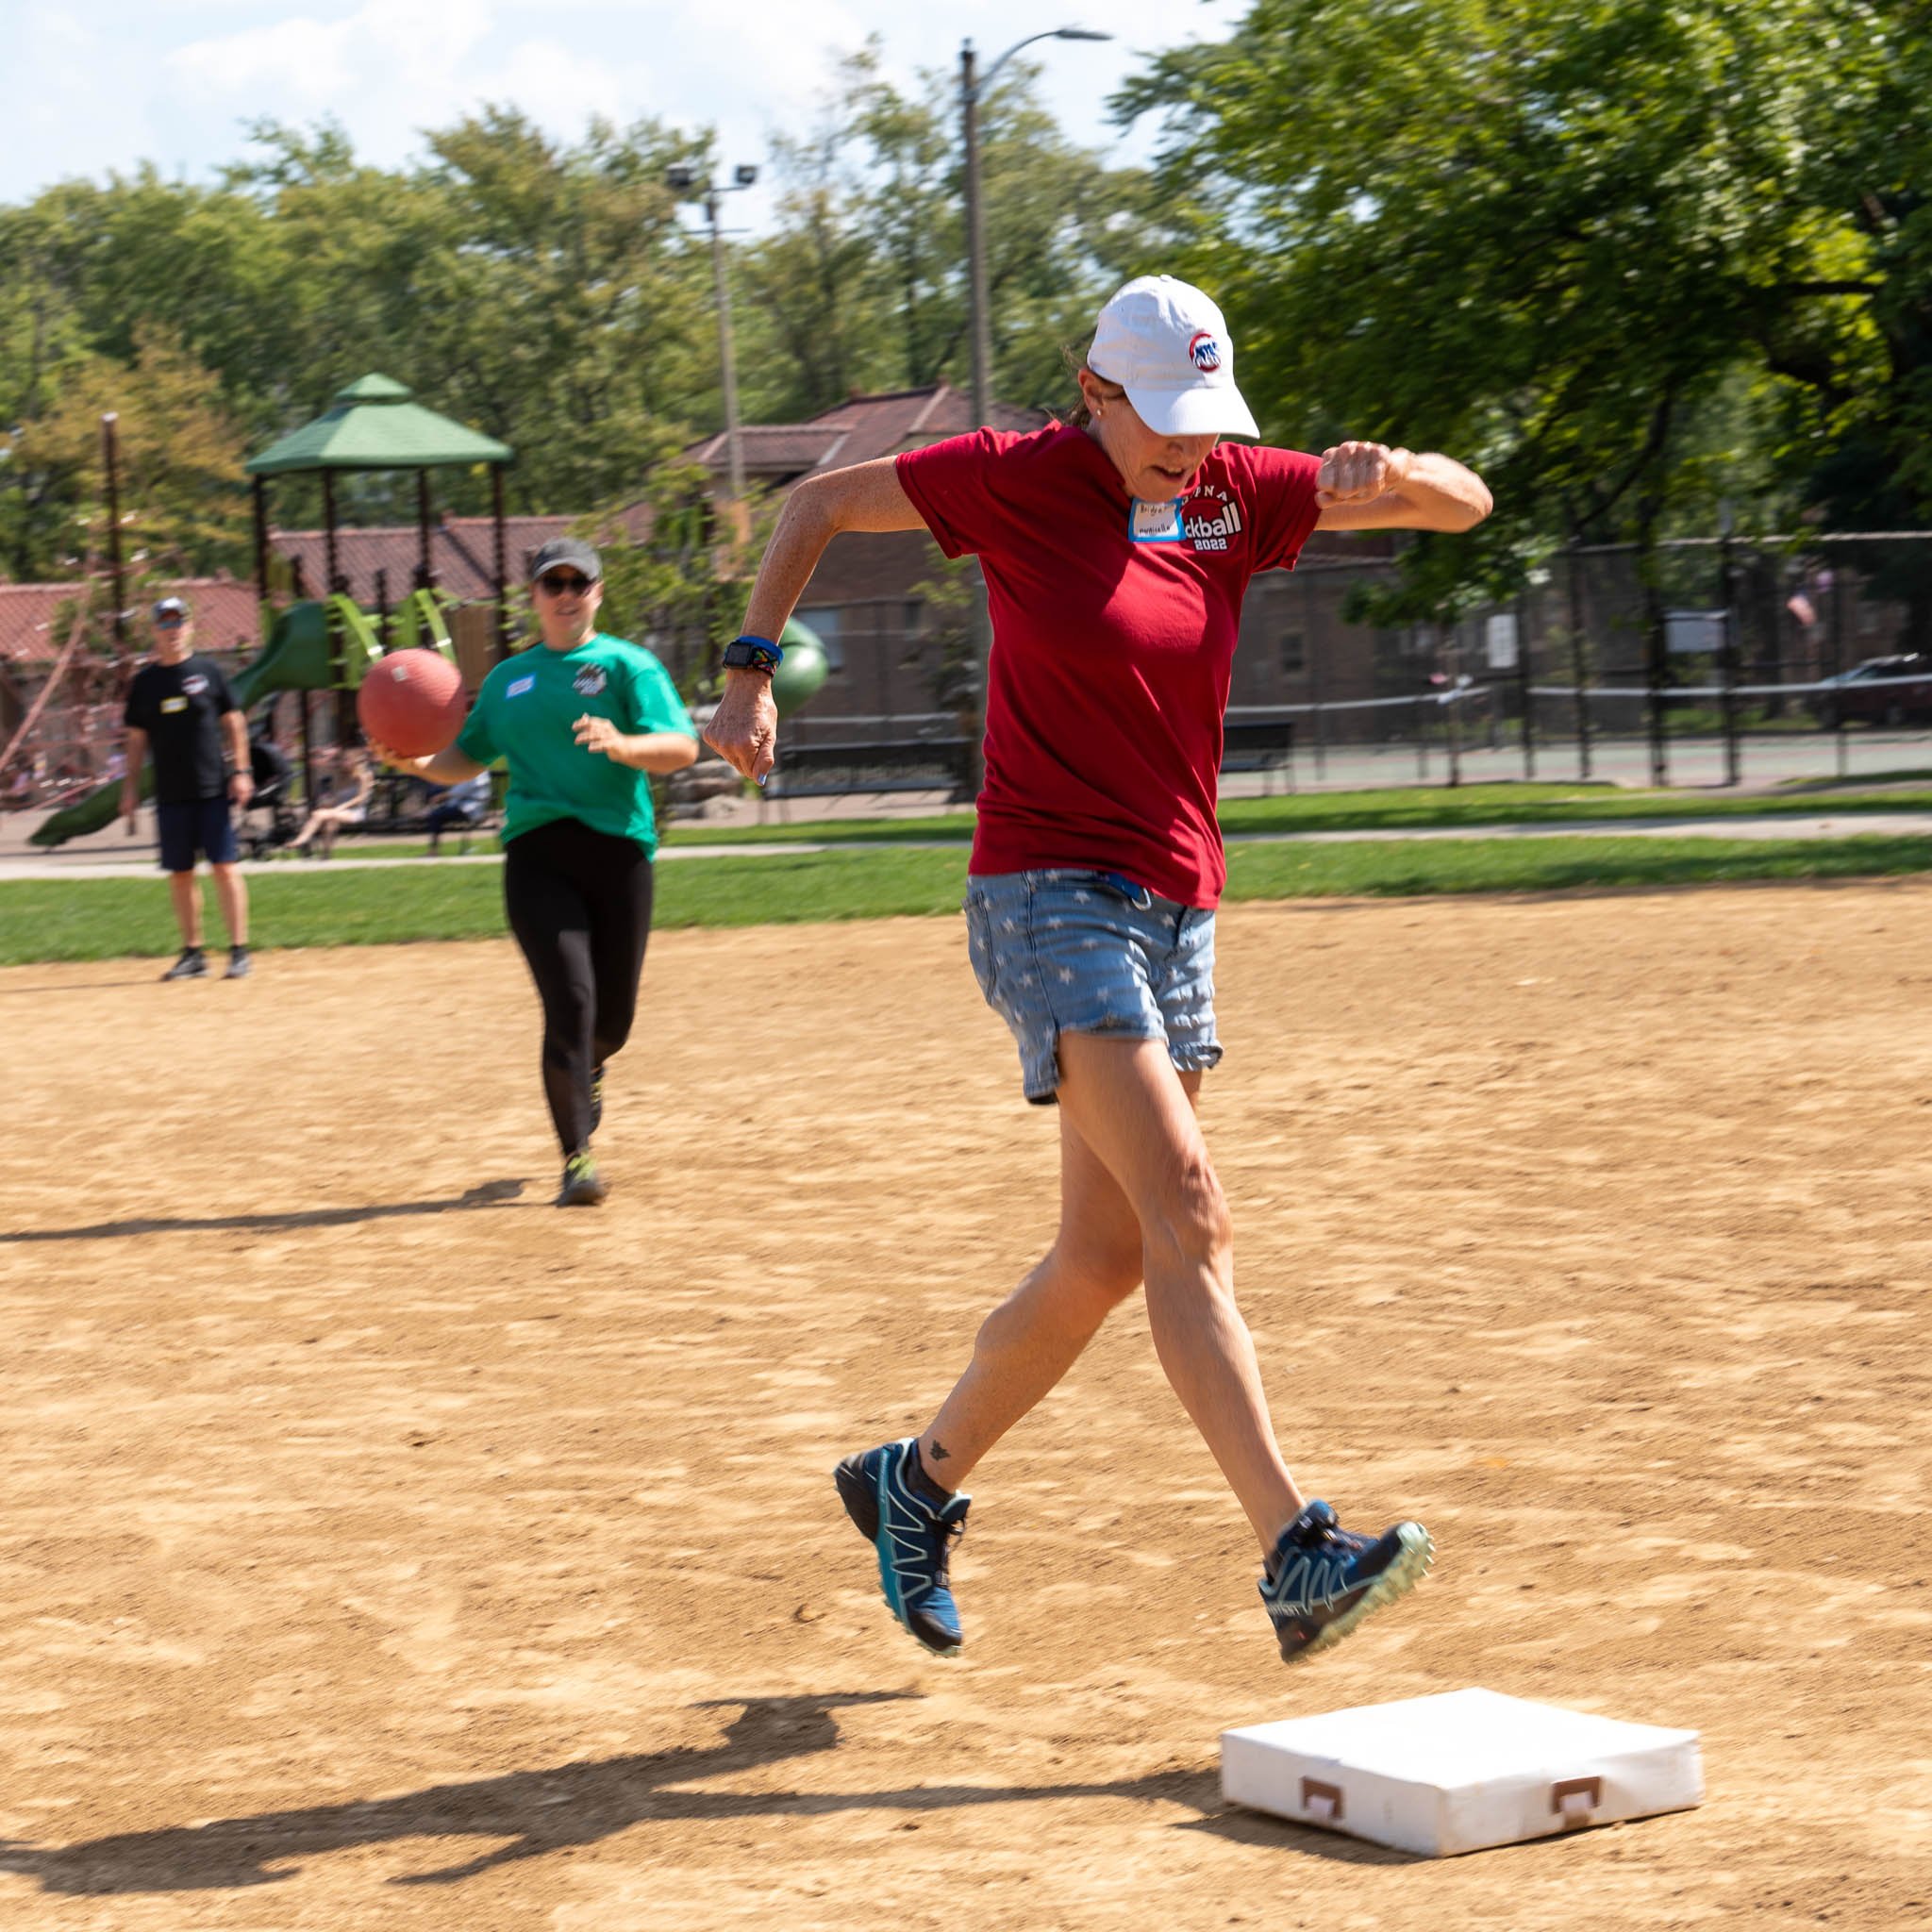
(581, 721)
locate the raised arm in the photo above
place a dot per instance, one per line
(743, 730)
(1368, 486)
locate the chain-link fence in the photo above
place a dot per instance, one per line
(1724, 661)
(1720, 662)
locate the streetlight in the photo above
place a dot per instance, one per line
(972, 88)
(682, 181)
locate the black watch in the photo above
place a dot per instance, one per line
(752, 654)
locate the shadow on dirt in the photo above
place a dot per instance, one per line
(489, 1194)
(539, 1812)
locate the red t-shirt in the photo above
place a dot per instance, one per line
(1112, 658)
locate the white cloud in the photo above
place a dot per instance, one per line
(329, 62)
(174, 82)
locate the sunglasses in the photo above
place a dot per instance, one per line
(564, 583)
(172, 620)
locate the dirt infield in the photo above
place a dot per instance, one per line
(381, 1548)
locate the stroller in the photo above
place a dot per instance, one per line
(270, 819)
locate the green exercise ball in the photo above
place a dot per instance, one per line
(797, 680)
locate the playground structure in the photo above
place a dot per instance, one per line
(326, 644)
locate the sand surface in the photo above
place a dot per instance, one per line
(381, 1548)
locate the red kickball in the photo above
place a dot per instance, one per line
(411, 703)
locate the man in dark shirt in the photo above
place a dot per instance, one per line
(181, 706)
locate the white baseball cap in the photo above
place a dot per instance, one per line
(1167, 345)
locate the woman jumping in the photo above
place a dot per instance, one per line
(1116, 551)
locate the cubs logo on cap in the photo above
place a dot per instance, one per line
(1167, 344)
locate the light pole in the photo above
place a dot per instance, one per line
(973, 87)
(683, 179)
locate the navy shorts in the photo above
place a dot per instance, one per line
(202, 825)
(1071, 950)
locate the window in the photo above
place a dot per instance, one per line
(1294, 652)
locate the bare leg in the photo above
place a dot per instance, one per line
(186, 890)
(1033, 1337)
(231, 889)
(1129, 1104)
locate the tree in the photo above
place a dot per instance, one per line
(1581, 242)
(184, 511)
(864, 286)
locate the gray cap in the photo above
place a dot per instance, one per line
(572, 551)
(173, 607)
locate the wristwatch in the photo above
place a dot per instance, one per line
(752, 654)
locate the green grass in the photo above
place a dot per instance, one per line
(100, 919)
(1401, 808)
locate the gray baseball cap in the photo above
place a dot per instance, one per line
(571, 551)
(173, 607)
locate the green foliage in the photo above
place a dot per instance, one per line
(1632, 259)
(674, 567)
(183, 508)
(543, 294)
(864, 285)
(1616, 252)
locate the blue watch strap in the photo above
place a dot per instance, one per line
(757, 651)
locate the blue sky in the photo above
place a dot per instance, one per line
(107, 84)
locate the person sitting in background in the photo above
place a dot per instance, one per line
(461, 804)
(348, 804)
(270, 767)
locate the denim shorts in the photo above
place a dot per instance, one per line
(1073, 951)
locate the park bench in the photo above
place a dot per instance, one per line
(1259, 744)
(860, 769)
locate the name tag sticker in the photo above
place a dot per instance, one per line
(172, 705)
(518, 686)
(1156, 523)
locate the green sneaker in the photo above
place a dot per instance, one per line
(583, 1186)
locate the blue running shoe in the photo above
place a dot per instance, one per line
(913, 1537)
(1323, 1580)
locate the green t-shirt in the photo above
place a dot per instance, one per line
(526, 714)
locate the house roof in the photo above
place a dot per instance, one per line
(855, 431)
(462, 553)
(225, 618)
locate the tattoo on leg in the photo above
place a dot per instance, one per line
(939, 1452)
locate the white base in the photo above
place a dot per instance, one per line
(1460, 1771)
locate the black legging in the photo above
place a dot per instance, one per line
(579, 903)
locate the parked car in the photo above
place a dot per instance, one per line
(1881, 691)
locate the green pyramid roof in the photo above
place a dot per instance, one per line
(373, 425)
